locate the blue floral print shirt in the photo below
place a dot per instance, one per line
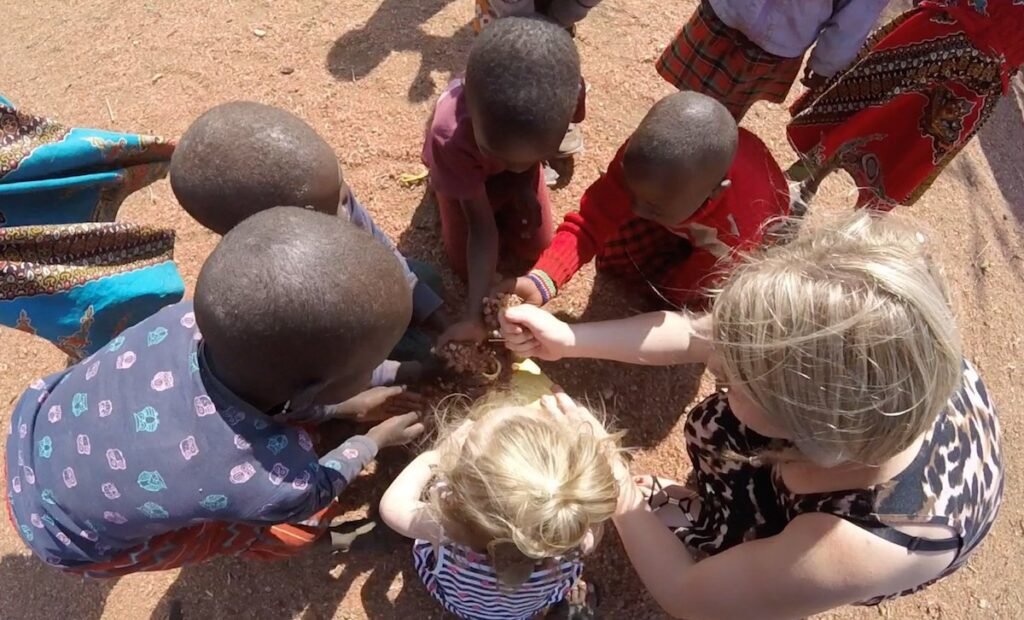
(140, 439)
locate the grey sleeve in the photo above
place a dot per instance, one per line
(359, 216)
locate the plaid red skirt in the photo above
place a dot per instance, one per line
(710, 57)
(925, 84)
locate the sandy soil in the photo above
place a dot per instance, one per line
(364, 72)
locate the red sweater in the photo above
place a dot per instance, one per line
(732, 221)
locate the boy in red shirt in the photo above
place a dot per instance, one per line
(687, 190)
(484, 146)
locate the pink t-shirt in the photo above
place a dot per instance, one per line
(458, 169)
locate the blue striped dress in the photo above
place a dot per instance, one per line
(464, 582)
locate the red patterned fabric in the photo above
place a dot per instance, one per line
(921, 89)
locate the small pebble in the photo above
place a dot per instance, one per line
(259, 32)
(983, 603)
(287, 70)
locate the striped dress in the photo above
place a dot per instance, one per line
(464, 582)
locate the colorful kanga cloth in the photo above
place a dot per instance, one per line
(675, 265)
(67, 272)
(921, 88)
(139, 458)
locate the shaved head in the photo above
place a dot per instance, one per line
(291, 298)
(682, 150)
(242, 157)
(522, 85)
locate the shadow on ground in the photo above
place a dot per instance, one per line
(1000, 141)
(312, 585)
(396, 26)
(645, 401)
(28, 584)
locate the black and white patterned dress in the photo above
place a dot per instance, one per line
(956, 481)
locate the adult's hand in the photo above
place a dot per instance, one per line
(531, 332)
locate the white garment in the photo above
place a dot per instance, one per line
(788, 28)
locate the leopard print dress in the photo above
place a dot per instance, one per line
(956, 481)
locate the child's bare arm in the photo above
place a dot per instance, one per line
(653, 339)
(402, 506)
(481, 265)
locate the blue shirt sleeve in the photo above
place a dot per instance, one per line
(302, 487)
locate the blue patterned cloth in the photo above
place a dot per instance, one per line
(68, 273)
(141, 439)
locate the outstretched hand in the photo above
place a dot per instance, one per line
(531, 332)
(379, 403)
(397, 431)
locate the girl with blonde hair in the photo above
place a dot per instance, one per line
(854, 455)
(506, 504)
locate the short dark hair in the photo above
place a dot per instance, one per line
(291, 296)
(523, 74)
(240, 158)
(685, 130)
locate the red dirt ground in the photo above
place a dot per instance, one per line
(364, 72)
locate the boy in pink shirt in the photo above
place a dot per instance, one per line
(484, 146)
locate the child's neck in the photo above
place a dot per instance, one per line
(223, 371)
(805, 477)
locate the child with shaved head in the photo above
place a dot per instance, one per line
(684, 194)
(166, 448)
(241, 158)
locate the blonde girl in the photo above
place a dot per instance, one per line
(505, 506)
(853, 457)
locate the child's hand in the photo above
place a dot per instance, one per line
(560, 405)
(396, 431)
(522, 287)
(466, 330)
(532, 332)
(379, 403)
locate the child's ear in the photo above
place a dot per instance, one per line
(724, 185)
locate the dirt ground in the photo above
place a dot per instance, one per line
(364, 73)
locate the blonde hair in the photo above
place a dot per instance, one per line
(844, 337)
(528, 484)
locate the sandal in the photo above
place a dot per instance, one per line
(673, 508)
(345, 535)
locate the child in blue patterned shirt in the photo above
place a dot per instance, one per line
(167, 447)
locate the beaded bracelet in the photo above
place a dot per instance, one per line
(544, 284)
